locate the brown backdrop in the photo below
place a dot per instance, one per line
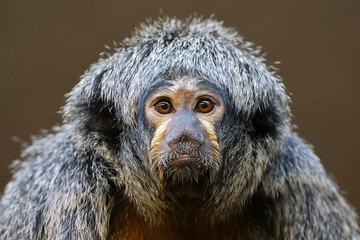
(46, 45)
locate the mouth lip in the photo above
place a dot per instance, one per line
(185, 157)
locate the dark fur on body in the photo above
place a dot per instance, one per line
(92, 178)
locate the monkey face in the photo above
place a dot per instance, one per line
(184, 146)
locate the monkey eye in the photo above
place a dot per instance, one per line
(204, 106)
(164, 107)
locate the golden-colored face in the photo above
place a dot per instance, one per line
(184, 144)
(165, 103)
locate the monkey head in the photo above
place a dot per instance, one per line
(181, 105)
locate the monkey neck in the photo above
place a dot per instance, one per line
(186, 223)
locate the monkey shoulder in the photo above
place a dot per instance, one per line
(296, 184)
(294, 162)
(54, 185)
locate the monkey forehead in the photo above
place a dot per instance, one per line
(185, 87)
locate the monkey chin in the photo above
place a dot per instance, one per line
(185, 176)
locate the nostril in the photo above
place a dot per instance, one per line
(200, 139)
(196, 139)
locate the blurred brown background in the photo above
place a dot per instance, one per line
(46, 45)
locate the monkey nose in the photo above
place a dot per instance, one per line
(191, 136)
(184, 128)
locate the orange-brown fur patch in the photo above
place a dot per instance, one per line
(211, 134)
(156, 141)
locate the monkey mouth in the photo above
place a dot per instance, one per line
(184, 156)
(187, 163)
(184, 169)
(183, 159)
(186, 160)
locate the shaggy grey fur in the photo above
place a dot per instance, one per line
(64, 185)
